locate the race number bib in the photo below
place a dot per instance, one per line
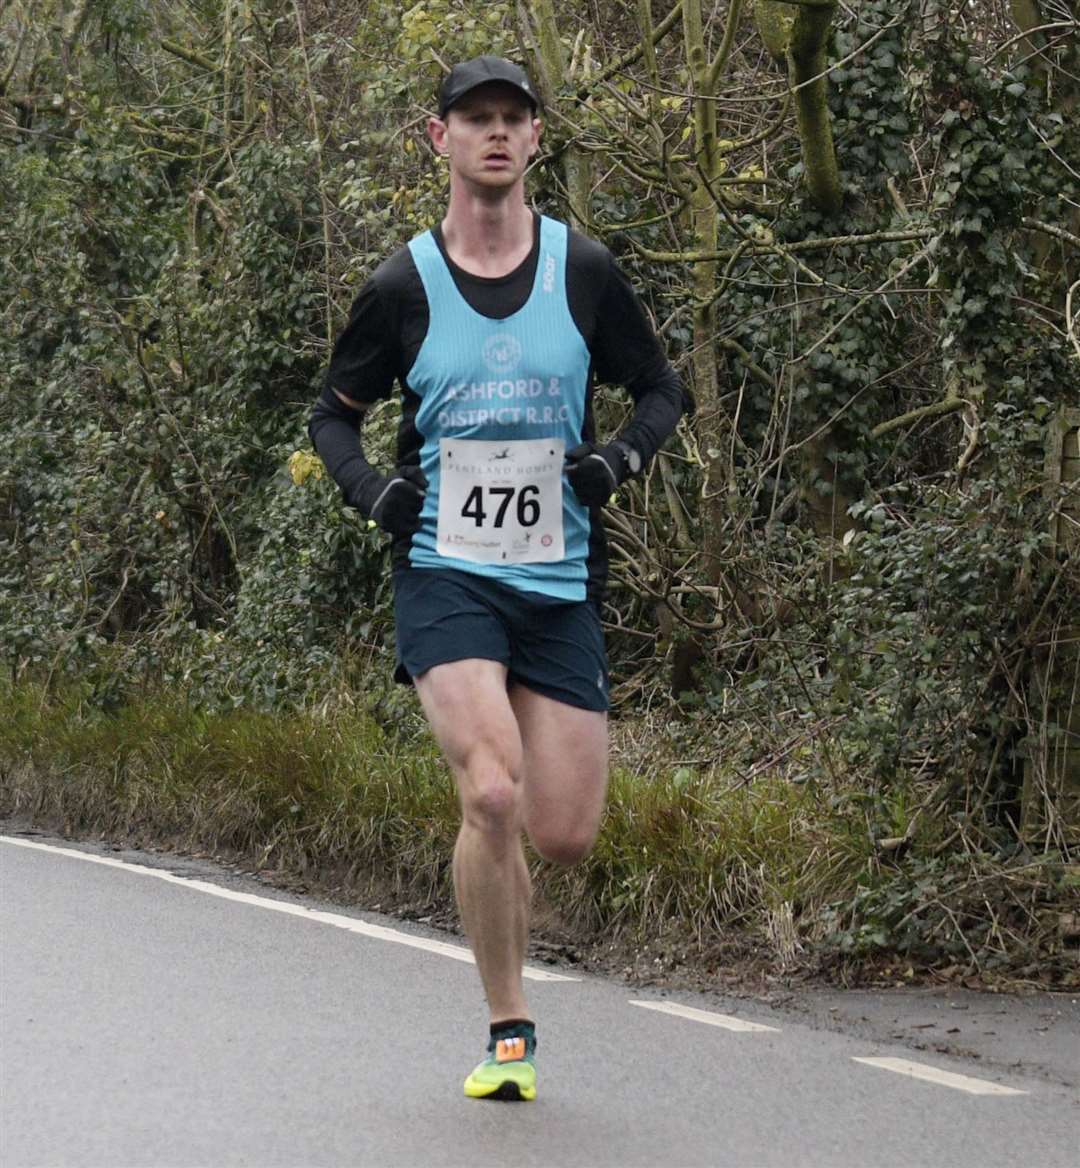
(501, 502)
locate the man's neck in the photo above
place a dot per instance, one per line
(487, 237)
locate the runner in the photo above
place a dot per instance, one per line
(496, 324)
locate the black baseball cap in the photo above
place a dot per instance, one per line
(468, 75)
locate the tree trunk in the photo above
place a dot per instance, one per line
(801, 43)
(712, 422)
(773, 22)
(552, 69)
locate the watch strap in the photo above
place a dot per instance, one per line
(630, 457)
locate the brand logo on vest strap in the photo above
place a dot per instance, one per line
(549, 273)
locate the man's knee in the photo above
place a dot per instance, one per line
(492, 804)
(563, 847)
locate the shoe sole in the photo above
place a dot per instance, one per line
(512, 1093)
(507, 1092)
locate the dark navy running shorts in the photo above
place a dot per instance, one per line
(554, 647)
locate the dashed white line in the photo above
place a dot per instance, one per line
(941, 1078)
(710, 1019)
(337, 920)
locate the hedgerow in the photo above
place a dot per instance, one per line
(847, 578)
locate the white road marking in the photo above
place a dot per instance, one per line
(350, 924)
(941, 1078)
(724, 1020)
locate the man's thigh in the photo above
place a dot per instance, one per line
(554, 754)
(469, 712)
(564, 770)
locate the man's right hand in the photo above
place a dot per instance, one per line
(396, 508)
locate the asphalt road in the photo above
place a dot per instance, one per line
(150, 1022)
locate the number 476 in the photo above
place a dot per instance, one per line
(527, 507)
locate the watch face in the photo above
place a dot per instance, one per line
(633, 459)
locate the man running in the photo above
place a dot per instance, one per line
(496, 324)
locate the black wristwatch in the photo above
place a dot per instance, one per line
(631, 457)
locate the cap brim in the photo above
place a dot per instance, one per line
(529, 98)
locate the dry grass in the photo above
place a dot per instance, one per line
(359, 804)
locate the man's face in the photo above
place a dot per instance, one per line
(489, 136)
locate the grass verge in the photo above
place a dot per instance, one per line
(785, 873)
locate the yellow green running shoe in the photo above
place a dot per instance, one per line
(509, 1071)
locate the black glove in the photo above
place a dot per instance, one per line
(595, 472)
(396, 500)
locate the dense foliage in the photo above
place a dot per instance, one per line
(846, 565)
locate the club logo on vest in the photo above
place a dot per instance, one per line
(501, 352)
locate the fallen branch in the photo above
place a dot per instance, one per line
(1070, 317)
(189, 55)
(1050, 229)
(938, 409)
(756, 249)
(748, 361)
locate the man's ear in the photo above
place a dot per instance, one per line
(436, 129)
(538, 129)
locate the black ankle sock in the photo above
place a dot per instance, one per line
(498, 1028)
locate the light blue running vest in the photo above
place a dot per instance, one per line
(524, 376)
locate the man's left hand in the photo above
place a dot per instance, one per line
(595, 472)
